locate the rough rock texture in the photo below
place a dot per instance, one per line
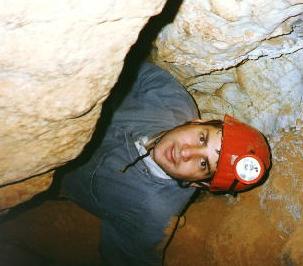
(293, 250)
(266, 93)
(281, 197)
(207, 36)
(260, 227)
(59, 60)
(221, 230)
(24, 190)
(240, 57)
(244, 58)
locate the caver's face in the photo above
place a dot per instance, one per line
(189, 152)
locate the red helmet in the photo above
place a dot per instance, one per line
(244, 157)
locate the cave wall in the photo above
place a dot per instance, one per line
(238, 57)
(59, 60)
(243, 58)
(260, 227)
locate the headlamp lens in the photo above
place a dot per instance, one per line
(248, 169)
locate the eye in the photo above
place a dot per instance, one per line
(202, 139)
(203, 164)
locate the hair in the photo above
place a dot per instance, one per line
(215, 123)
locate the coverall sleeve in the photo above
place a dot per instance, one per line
(155, 102)
(138, 237)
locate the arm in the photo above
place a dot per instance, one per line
(122, 245)
(137, 233)
(156, 99)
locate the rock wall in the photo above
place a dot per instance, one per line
(243, 58)
(238, 57)
(266, 93)
(260, 227)
(59, 60)
(208, 35)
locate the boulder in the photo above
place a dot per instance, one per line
(59, 61)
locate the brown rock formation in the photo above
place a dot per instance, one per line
(259, 227)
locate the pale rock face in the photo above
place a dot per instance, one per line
(59, 60)
(215, 34)
(207, 46)
(266, 93)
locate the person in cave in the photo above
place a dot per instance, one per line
(155, 154)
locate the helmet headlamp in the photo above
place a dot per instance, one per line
(244, 157)
(248, 169)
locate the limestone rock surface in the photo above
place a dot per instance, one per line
(59, 60)
(266, 93)
(238, 57)
(244, 58)
(208, 35)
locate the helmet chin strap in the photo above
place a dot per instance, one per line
(150, 146)
(204, 183)
(231, 189)
(136, 160)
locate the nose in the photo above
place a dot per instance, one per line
(188, 152)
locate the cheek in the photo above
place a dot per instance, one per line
(156, 154)
(159, 156)
(188, 171)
